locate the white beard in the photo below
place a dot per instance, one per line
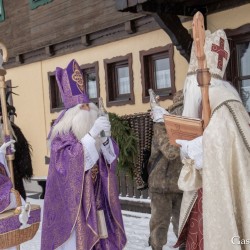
(78, 120)
(193, 98)
(83, 121)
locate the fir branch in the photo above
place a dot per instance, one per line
(127, 142)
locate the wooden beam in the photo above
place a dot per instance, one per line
(130, 27)
(172, 25)
(179, 35)
(180, 7)
(19, 59)
(85, 40)
(49, 50)
(217, 6)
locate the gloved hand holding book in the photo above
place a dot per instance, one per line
(193, 149)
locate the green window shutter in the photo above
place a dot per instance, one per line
(2, 14)
(36, 3)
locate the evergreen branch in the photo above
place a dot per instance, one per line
(127, 142)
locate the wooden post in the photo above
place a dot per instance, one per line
(203, 74)
(7, 132)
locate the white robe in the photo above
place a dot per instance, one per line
(225, 175)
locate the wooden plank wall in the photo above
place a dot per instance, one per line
(24, 29)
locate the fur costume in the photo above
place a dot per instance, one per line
(164, 169)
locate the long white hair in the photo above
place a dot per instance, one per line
(193, 98)
(77, 120)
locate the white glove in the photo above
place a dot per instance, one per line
(101, 123)
(193, 150)
(104, 140)
(157, 114)
(105, 134)
(7, 144)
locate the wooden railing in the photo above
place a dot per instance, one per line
(127, 188)
(130, 197)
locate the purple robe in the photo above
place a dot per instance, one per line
(73, 197)
(5, 188)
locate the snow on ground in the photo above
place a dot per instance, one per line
(136, 227)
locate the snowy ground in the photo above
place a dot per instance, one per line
(136, 227)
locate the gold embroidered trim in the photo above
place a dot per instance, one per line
(188, 211)
(2, 171)
(227, 104)
(94, 173)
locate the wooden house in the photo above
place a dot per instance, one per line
(124, 48)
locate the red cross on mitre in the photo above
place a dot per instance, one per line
(221, 52)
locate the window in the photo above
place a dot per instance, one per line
(157, 72)
(91, 77)
(36, 3)
(2, 14)
(119, 80)
(90, 74)
(238, 70)
(56, 103)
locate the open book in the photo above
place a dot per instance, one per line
(183, 128)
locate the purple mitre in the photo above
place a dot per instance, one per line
(71, 85)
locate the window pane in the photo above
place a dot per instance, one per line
(123, 80)
(59, 101)
(91, 85)
(36, 3)
(55, 96)
(245, 93)
(244, 58)
(2, 14)
(162, 73)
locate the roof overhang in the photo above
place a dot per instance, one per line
(170, 14)
(179, 7)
